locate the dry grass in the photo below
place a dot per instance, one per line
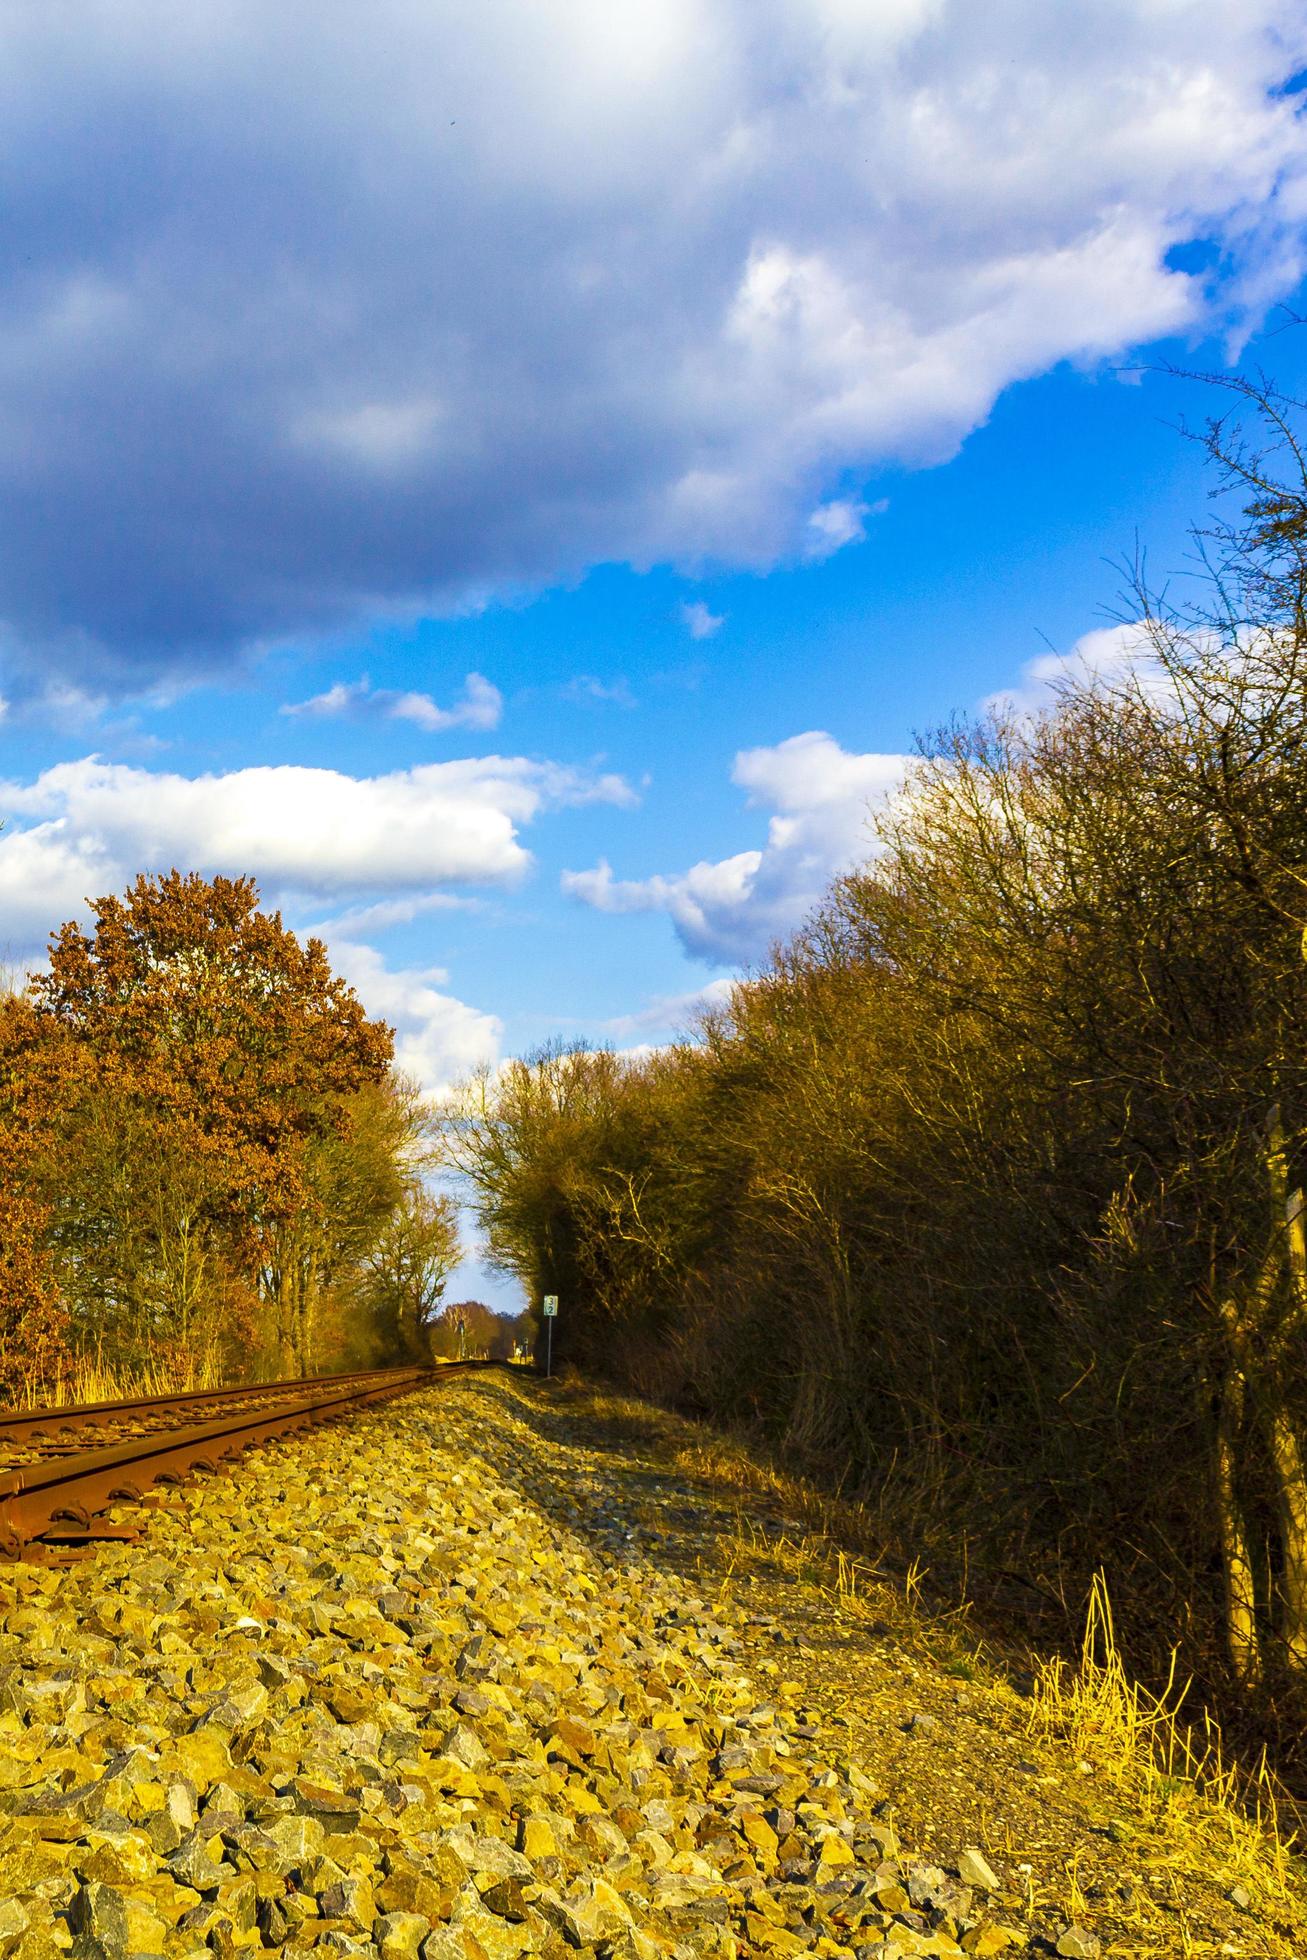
(1228, 1821)
(93, 1379)
(1231, 1822)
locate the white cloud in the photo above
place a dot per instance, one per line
(84, 828)
(480, 706)
(700, 622)
(820, 798)
(1107, 653)
(588, 691)
(438, 1038)
(46, 875)
(711, 904)
(669, 1015)
(733, 909)
(391, 305)
(831, 526)
(389, 912)
(396, 842)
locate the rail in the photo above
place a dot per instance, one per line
(16, 1425)
(51, 1508)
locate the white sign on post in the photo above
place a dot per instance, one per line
(550, 1305)
(549, 1308)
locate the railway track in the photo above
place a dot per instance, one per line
(52, 1498)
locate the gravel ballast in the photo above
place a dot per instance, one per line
(405, 1687)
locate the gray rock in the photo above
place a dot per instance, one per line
(191, 1863)
(14, 1922)
(1078, 1943)
(974, 1869)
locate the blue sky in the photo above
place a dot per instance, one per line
(517, 485)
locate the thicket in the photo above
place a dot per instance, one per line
(984, 1196)
(210, 1165)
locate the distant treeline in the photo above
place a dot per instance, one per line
(469, 1330)
(210, 1166)
(984, 1196)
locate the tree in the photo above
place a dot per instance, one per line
(469, 1330)
(407, 1267)
(144, 1257)
(195, 1002)
(212, 1133)
(36, 1067)
(314, 1260)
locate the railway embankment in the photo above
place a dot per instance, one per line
(501, 1669)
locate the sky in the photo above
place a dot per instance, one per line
(517, 480)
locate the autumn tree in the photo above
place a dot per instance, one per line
(558, 1151)
(469, 1330)
(221, 1071)
(37, 1072)
(215, 1014)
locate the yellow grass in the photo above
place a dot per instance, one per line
(1173, 1770)
(93, 1379)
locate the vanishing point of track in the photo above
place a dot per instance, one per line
(50, 1507)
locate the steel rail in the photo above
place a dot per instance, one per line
(53, 1502)
(16, 1425)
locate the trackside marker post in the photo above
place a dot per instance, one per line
(549, 1308)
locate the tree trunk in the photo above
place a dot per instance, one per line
(1286, 1453)
(1286, 1449)
(1241, 1633)
(284, 1301)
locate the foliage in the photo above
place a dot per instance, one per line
(205, 1143)
(211, 1015)
(33, 1318)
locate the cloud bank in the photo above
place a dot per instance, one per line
(313, 312)
(87, 826)
(731, 910)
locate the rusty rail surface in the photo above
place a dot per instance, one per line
(54, 1502)
(16, 1425)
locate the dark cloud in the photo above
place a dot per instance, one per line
(312, 311)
